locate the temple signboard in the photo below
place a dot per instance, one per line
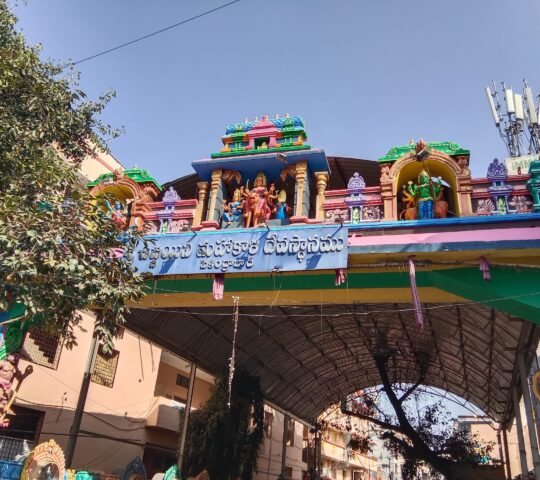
(255, 250)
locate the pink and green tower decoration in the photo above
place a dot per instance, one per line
(265, 135)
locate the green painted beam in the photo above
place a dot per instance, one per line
(324, 281)
(511, 290)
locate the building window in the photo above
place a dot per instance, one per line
(105, 367)
(42, 348)
(182, 381)
(290, 432)
(288, 473)
(19, 437)
(268, 421)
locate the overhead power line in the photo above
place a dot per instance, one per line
(144, 37)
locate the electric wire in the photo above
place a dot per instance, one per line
(97, 417)
(152, 34)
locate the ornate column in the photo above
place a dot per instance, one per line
(322, 181)
(387, 194)
(533, 184)
(464, 187)
(202, 195)
(301, 207)
(216, 196)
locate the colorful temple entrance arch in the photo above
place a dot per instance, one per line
(329, 278)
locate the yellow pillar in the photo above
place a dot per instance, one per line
(322, 182)
(216, 181)
(301, 173)
(202, 194)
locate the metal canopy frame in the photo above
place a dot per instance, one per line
(308, 357)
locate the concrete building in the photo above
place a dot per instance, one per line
(339, 461)
(132, 407)
(271, 454)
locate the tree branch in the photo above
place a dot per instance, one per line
(407, 428)
(380, 423)
(410, 391)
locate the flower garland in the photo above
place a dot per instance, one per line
(232, 360)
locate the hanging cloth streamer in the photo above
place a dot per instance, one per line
(415, 300)
(341, 276)
(232, 360)
(218, 286)
(484, 268)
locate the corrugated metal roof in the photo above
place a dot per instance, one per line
(308, 358)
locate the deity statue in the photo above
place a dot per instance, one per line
(282, 209)
(255, 206)
(501, 205)
(232, 211)
(425, 193)
(355, 215)
(118, 213)
(8, 370)
(272, 198)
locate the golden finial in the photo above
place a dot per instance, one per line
(411, 141)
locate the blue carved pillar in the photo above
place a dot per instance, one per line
(499, 190)
(355, 200)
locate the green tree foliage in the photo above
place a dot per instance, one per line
(56, 242)
(225, 441)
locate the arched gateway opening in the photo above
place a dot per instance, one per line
(309, 356)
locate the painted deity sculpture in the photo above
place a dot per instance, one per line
(425, 192)
(118, 213)
(233, 211)
(282, 208)
(272, 198)
(8, 370)
(255, 206)
(355, 216)
(410, 211)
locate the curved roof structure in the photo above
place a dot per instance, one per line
(308, 357)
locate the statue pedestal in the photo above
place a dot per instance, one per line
(207, 225)
(299, 219)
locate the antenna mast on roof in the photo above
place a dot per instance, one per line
(518, 123)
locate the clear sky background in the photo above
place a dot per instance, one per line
(366, 75)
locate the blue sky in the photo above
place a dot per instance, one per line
(366, 75)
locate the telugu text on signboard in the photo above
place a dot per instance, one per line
(286, 249)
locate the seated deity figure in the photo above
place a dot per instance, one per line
(425, 192)
(233, 211)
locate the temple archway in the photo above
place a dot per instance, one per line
(437, 164)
